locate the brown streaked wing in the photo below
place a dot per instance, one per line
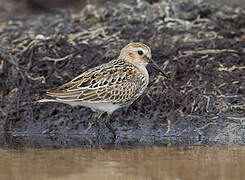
(106, 83)
(85, 78)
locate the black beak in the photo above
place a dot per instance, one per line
(155, 66)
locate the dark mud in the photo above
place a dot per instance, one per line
(201, 46)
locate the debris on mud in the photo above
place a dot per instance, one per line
(200, 45)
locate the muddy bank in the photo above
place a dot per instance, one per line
(201, 46)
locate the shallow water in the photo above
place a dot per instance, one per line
(141, 163)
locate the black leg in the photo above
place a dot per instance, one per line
(95, 117)
(112, 130)
(96, 121)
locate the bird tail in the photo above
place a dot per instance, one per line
(46, 100)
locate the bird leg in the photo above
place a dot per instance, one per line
(96, 121)
(108, 125)
(96, 117)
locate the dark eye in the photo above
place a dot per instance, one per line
(140, 52)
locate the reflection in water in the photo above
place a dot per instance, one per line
(142, 163)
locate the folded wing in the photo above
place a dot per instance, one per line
(111, 82)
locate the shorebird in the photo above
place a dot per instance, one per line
(110, 86)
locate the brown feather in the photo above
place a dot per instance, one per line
(105, 83)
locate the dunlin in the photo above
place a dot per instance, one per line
(109, 86)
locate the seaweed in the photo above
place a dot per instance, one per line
(200, 47)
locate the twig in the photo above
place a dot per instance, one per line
(10, 59)
(207, 51)
(56, 59)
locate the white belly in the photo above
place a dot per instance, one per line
(96, 106)
(102, 106)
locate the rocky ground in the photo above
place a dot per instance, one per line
(199, 44)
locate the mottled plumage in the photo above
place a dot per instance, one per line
(115, 84)
(109, 86)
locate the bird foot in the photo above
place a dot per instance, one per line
(112, 130)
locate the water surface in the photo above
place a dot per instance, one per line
(141, 163)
